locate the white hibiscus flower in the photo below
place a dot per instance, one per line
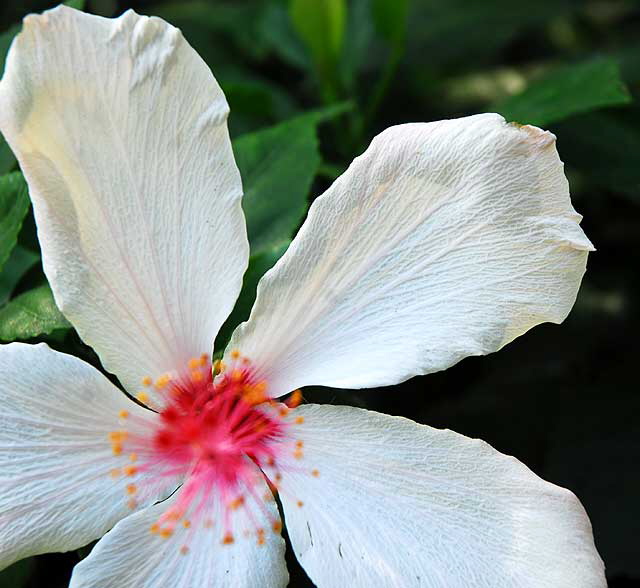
(442, 240)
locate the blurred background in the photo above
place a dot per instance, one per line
(310, 82)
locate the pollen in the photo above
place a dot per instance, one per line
(213, 431)
(300, 504)
(123, 414)
(315, 473)
(299, 420)
(227, 539)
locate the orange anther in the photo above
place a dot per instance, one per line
(271, 462)
(227, 539)
(284, 411)
(261, 540)
(147, 381)
(221, 366)
(166, 533)
(143, 397)
(133, 456)
(237, 503)
(315, 473)
(299, 420)
(277, 526)
(130, 471)
(194, 363)
(155, 528)
(123, 414)
(236, 375)
(131, 488)
(295, 399)
(196, 376)
(116, 448)
(184, 550)
(278, 477)
(300, 504)
(235, 354)
(115, 472)
(186, 524)
(298, 454)
(299, 444)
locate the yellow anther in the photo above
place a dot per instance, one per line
(227, 539)
(123, 414)
(184, 550)
(143, 397)
(235, 354)
(130, 471)
(299, 420)
(162, 381)
(131, 488)
(133, 456)
(115, 473)
(315, 473)
(186, 524)
(166, 533)
(147, 381)
(118, 436)
(155, 528)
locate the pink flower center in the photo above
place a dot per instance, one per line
(217, 439)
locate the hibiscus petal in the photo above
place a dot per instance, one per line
(130, 556)
(394, 503)
(442, 240)
(56, 463)
(120, 129)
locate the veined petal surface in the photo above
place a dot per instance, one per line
(394, 504)
(56, 477)
(442, 240)
(130, 556)
(120, 129)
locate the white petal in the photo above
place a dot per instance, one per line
(130, 556)
(397, 504)
(56, 413)
(442, 240)
(120, 129)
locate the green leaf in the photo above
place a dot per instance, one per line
(14, 204)
(321, 25)
(390, 18)
(277, 165)
(77, 4)
(7, 160)
(19, 263)
(31, 314)
(17, 574)
(567, 91)
(258, 266)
